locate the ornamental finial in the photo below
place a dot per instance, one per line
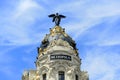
(56, 18)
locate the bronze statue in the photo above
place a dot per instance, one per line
(56, 18)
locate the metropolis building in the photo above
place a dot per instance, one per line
(58, 58)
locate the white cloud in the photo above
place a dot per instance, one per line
(89, 13)
(101, 64)
(17, 26)
(26, 6)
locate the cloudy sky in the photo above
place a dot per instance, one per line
(93, 24)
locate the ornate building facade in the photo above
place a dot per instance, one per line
(58, 59)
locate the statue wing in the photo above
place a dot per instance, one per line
(52, 15)
(62, 16)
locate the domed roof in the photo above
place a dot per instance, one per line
(57, 33)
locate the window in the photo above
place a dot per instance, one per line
(61, 75)
(76, 77)
(44, 76)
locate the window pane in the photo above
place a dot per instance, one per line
(44, 76)
(76, 77)
(61, 75)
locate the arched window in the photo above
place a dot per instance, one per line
(44, 76)
(76, 77)
(61, 75)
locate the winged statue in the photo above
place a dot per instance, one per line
(56, 18)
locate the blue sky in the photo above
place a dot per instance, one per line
(93, 24)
